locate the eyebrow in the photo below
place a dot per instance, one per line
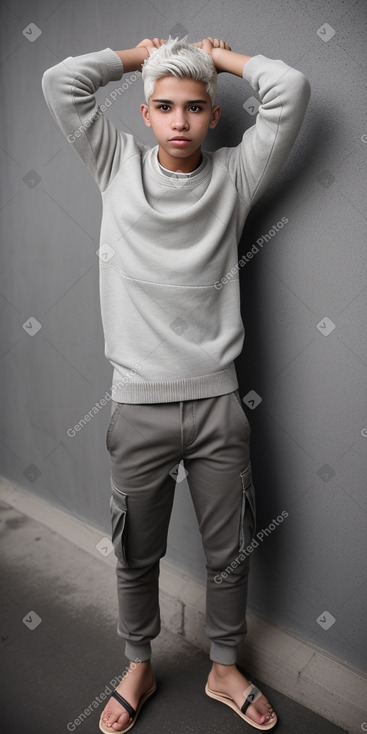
(190, 101)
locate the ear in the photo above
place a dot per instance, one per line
(144, 109)
(216, 113)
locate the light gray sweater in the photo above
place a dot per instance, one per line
(170, 333)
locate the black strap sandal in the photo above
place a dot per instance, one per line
(124, 703)
(130, 710)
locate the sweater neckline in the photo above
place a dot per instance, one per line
(164, 176)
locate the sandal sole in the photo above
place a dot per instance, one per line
(229, 702)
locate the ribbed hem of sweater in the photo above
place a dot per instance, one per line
(191, 388)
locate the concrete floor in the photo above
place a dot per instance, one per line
(53, 671)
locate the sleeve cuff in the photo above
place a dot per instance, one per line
(114, 68)
(252, 66)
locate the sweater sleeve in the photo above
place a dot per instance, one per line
(69, 89)
(284, 95)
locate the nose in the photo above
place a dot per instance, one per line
(179, 121)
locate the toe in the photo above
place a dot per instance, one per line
(121, 722)
(255, 715)
(116, 721)
(261, 712)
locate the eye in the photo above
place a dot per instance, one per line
(163, 107)
(195, 108)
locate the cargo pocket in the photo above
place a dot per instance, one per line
(248, 509)
(118, 509)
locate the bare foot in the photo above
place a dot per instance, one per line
(228, 680)
(139, 680)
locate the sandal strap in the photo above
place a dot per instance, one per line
(124, 703)
(251, 698)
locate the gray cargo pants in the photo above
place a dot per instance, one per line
(146, 442)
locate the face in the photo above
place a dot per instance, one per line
(180, 114)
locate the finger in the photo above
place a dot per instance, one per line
(219, 43)
(207, 45)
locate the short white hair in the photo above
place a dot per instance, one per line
(180, 59)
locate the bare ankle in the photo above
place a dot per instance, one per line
(138, 663)
(220, 669)
(141, 665)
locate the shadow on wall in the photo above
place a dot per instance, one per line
(253, 367)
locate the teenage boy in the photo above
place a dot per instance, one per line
(172, 218)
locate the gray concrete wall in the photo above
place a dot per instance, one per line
(303, 297)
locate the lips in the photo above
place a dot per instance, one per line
(179, 137)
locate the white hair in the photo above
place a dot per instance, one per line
(180, 59)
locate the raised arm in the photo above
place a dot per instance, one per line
(284, 94)
(224, 58)
(70, 90)
(133, 58)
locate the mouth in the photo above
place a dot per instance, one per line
(179, 139)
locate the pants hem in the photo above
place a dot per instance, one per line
(138, 653)
(223, 654)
